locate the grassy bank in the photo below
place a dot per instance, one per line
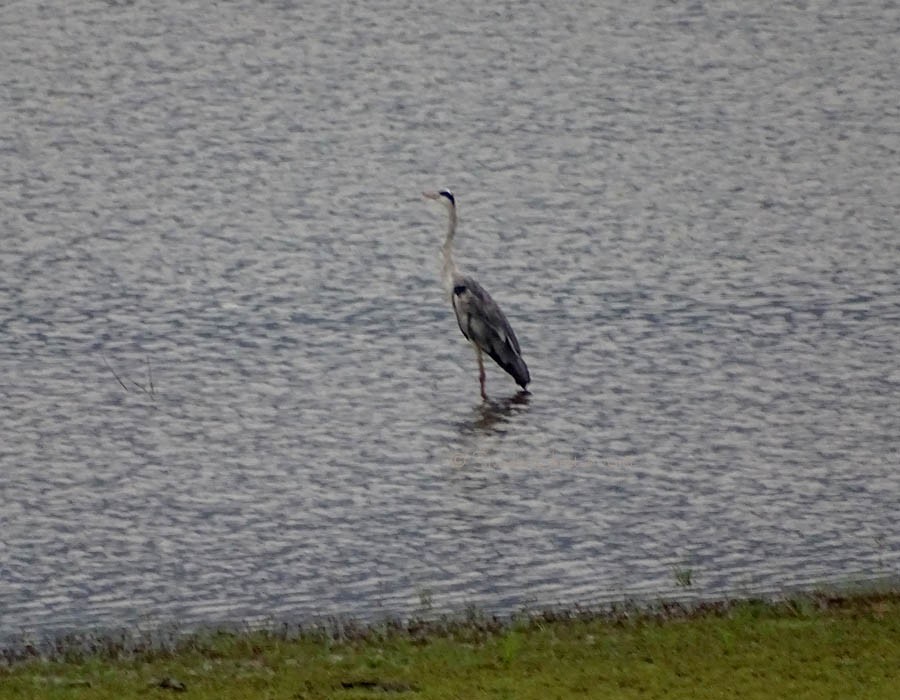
(811, 647)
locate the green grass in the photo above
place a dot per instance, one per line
(816, 647)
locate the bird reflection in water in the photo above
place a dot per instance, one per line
(491, 415)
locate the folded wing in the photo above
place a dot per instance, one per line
(483, 323)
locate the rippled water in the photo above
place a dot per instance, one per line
(689, 213)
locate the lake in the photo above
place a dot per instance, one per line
(234, 391)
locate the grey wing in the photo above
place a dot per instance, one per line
(483, 323)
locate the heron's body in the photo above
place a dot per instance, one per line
(483, 324)
(480, 319)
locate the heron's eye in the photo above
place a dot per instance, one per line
(459, 289)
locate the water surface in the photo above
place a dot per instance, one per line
(688, 213)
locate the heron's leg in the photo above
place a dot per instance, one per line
(481, 372)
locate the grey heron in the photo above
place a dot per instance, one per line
(480, 319)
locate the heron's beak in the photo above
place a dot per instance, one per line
(430, 195)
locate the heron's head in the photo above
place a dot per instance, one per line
(445, 196)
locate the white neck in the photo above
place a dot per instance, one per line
(449, 269)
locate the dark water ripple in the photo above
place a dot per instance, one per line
(689, 214)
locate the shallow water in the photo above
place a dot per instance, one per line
(689, 215)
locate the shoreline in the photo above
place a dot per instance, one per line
(836, 640)
(170, 635)
(818, 645)
(165, 633)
